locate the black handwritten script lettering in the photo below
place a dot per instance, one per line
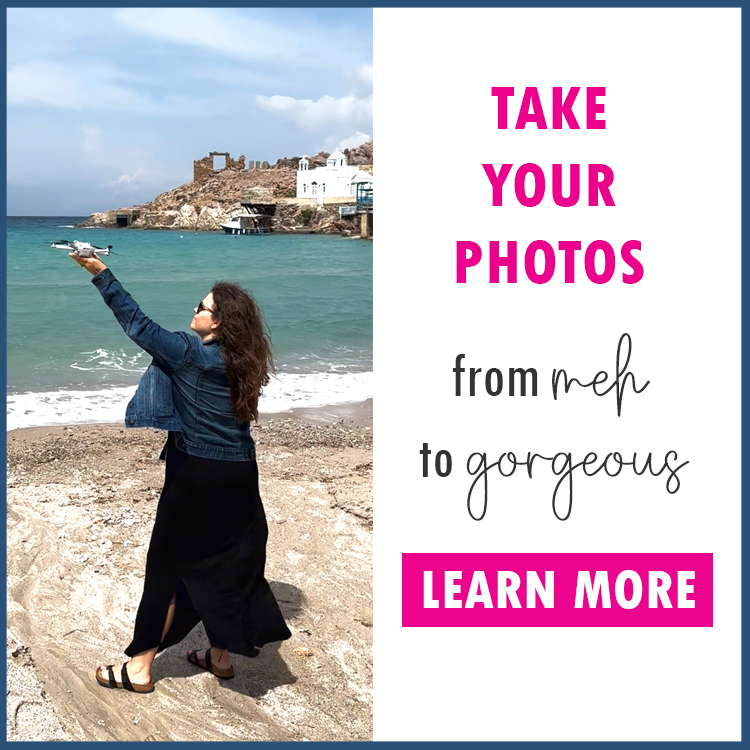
(562, 466)
(601, 377)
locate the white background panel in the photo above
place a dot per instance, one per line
(672, 110)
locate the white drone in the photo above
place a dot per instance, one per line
(82, 249)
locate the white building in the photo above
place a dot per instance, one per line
(335, 180)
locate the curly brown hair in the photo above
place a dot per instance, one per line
(246, 347)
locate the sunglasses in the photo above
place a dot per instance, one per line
(201, 307)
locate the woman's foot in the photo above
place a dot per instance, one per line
(128, 676)
(218, 663)
(138, 674)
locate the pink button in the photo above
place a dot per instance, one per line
(591, 590)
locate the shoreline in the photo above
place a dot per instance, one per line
(356, 413)
(359, 413)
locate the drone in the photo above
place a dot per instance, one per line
(82, 249)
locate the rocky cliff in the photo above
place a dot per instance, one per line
(219, 194)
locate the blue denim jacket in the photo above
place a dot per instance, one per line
(185, 389)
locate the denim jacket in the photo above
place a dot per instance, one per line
(185, 389)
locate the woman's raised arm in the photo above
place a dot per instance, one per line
(171, 349)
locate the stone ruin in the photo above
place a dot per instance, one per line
(204, 168)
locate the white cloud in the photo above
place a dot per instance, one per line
(85, 85)
(365, 74)
(89, 86)
(328, 110)
(137, 186)
(127, 179)
(246, 34)
(58, 33)
(354, 140)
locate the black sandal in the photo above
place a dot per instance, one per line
(126, 684)
(222, 674)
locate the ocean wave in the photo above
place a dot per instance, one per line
(66, 226)
(67, 407)
(285, 392)
(101, 360)
(289, 391)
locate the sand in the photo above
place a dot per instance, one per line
(81, 504)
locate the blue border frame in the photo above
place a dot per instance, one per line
(745, 284)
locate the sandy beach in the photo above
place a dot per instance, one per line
(81, 504)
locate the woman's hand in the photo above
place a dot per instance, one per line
(92, 265)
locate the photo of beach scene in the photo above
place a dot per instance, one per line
(190, 146)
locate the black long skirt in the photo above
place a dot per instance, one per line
(208, 547)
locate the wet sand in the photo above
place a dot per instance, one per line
(81, 503)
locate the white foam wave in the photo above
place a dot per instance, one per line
(101, 360)
(285, 392)
(289, 391)
(67, 407)
(66, 226)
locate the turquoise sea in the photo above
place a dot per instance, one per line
(70, 362)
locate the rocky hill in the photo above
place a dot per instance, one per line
(214, 196)
(355, 157)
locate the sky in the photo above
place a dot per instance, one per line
(108, 108)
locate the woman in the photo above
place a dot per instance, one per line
(206, 558)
